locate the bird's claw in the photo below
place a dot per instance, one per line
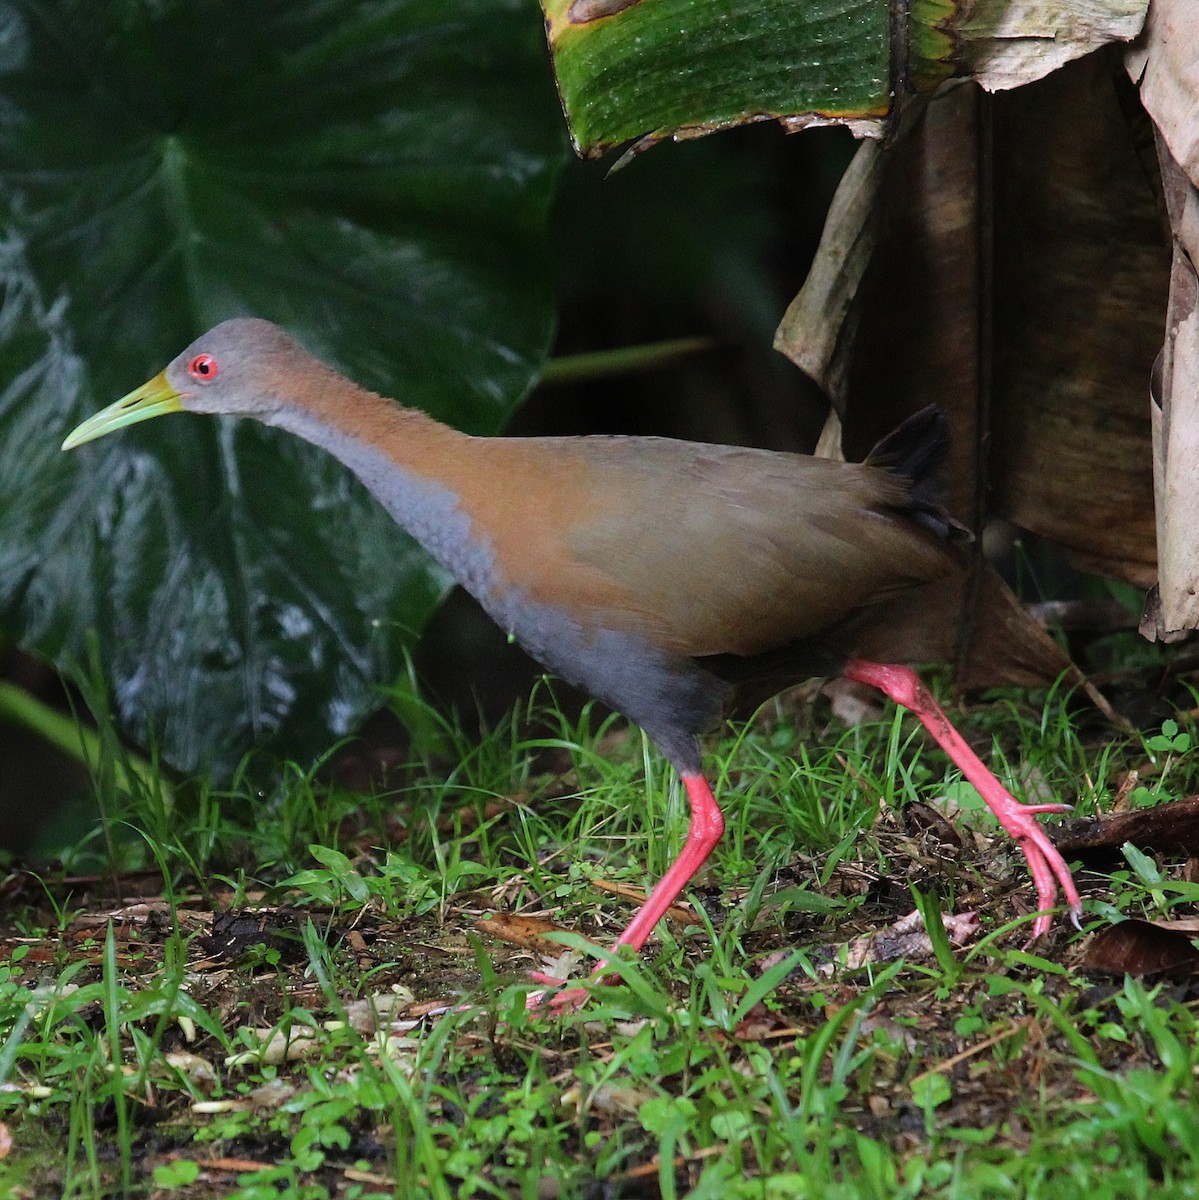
(1048, 867)
(555, 1002)
(1049, 870)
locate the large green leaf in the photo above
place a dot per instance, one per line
(653, 68)
(661, 68)
(375, 177)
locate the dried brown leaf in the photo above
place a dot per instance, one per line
(1173, 606)
(1140, 948)
(238, 930)
(760, 1024)
(1081, 273)
(1165, 62)
(1026, 311)
(680, 914)
(924, 818)
(906, 938)
(1009, 45)
(527, 932)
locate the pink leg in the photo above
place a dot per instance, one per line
(1047, 866)
(707, 825)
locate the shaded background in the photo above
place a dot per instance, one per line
(419, 223)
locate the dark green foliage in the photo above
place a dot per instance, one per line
(375, 178)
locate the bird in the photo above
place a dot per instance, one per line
(664, 577)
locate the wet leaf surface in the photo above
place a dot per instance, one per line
(373, 179)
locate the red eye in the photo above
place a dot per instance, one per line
(203, 368)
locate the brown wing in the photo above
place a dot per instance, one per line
(720, 550)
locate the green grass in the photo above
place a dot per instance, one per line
(739, 1057)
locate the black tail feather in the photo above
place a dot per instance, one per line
(915, 449)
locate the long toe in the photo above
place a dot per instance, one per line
(556, 1002)
(1048, 868)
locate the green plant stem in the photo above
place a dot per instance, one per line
(78, 742)
(573, 368)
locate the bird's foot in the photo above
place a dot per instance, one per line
(1047, 808)
(1045, 863)
(558, 998)
(707, 824)
(1048, 868)
(562, 1000)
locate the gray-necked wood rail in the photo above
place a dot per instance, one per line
(655, 574)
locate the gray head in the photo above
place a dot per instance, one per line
(242, 367)
(236, 368)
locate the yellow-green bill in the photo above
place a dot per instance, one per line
(150, 400)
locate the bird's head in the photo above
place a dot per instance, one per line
(232, 369)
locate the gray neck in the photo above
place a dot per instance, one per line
(428, 510)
